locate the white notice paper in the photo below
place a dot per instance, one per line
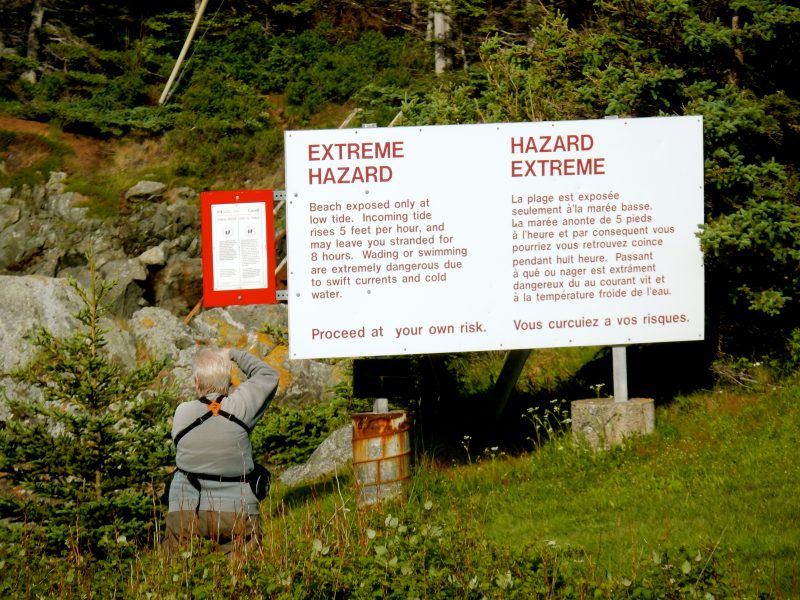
(239, 238)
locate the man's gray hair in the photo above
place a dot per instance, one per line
(212, 371)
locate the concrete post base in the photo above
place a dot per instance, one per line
(603, 423)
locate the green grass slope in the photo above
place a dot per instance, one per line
(720, 474)
(705, 507)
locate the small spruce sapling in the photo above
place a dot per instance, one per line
(87, 460)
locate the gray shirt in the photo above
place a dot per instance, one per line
(220, 446)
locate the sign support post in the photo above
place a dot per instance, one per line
(619, 360)
(620, 363)
(512, 368)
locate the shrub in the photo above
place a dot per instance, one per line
(288, 436)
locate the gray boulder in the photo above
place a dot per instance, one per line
(34, 301)
(146, 190)
(43, 233)
(9, 213)
(179, 285)
(63, 205)
(20, 244)
(160, 334)
(11, 388)
(310, 382)
(60, 202)
(56, 183)
(153, 257)
(331, 457)
(28, 302)
(130, 276)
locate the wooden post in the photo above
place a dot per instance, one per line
(182, 55)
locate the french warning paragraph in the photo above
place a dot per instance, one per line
(587, 246)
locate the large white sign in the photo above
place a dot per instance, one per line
(492, 237)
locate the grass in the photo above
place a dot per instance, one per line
(718, 478)
(719, 472)
(704, 507)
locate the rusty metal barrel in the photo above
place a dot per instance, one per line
(381, 455)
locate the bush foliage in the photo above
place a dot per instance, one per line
(288, 436)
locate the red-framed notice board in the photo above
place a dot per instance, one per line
(238, 247)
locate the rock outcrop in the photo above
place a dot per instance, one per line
(152, 253)
(151, 247)
(151, 332)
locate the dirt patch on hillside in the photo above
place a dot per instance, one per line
(87, 152)
(23, 152)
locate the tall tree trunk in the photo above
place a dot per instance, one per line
(737, 49)
(37, 18)
(441, 35)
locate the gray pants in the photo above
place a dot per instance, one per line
(230, 532)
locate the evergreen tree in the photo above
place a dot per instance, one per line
(88, 457)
